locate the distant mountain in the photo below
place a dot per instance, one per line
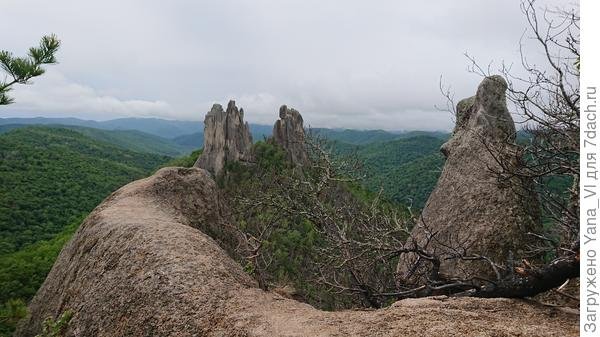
(137, 141)
(359, 137)
(354, 136)
(193, 140)
(8, 127)
(133, 140)
(193, 129)
(260, 132)
(155, 126)
(196, 140)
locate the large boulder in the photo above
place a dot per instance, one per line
(141, 264)
(288, 132)
(227, 138)
(477, 207)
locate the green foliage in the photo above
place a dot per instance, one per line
(24, 271)
(410, 183)
(285, 249)
(406, 169)
(363, 137)
(50, 177)
(11, 313)
(134, 140)
(56, 328)
(291, 242)
(269, 157)
(185, 161)
(21, 69)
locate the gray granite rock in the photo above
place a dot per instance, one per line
(288, 132)
(471, 207)
(227, 138)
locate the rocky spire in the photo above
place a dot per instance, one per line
(227, 138)
(289, 133)
(470, 207)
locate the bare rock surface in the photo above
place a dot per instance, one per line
(227, 138)
(470, 207)
(288, 132)
(142, 265)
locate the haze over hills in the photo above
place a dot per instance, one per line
(155, 126)
(189, 134)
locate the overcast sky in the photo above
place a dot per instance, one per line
(346, 63)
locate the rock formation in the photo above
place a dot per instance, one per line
(227, 138)
(289, 133)
(470, 207)
(142, 265)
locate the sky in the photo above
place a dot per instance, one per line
(344, 64)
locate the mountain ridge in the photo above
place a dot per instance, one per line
(174, 129)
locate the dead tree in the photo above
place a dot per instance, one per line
(546, 99)
(361, 241)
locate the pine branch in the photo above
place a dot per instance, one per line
(22, 69)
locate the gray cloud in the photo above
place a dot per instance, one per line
(357, 64)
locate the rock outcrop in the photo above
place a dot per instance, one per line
(142, 265)
(288, 132)
(471, 208)
(227, 138)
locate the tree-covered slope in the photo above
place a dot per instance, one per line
(363, 137)
(155, 126)
(406, 168)
(23, 272)
(410, 183)
(386, 156)
(51, 176)
(133, 140)
(136, 141)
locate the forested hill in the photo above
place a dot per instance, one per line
(51, 176)
(362, 137)
(405, 168)
(133, 140)
(155, 126)
(50, 179)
